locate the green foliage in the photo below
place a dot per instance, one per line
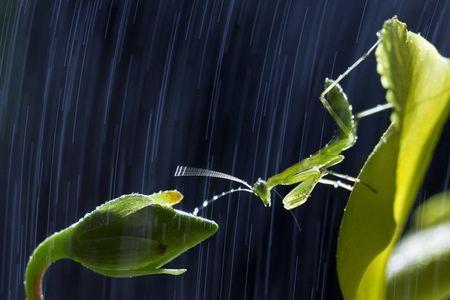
(417, 80)
(132, 235)
(419, 267)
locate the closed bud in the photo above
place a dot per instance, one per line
(132, 235)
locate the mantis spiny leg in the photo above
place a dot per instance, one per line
(324, 101)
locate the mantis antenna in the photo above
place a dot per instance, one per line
(217, 197)
(183, 171)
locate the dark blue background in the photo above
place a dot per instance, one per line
(101, 98)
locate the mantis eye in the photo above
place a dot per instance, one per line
(261, 189)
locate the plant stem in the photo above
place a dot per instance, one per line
(50, 250)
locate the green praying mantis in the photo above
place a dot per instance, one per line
(312, 170)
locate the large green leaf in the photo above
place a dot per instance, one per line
(417, 80)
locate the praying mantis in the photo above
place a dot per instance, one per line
(312, 170)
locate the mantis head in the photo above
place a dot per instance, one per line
(261, 190)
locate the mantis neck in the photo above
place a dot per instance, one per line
(50, 250)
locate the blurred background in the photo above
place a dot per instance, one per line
(103, 98)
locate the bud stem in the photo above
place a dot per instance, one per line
(50, 250)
